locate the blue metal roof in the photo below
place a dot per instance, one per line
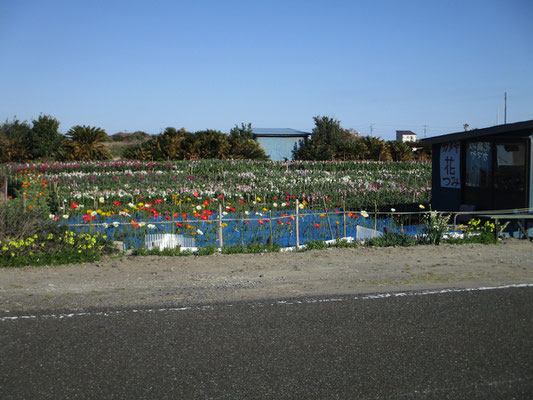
(279, 132)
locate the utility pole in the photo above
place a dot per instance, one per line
(505, 112)
(425, 129)
(371, 129)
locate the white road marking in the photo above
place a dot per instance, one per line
(378, 296)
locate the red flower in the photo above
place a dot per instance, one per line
(221, 196)
(288, 222)
(74, 205)
(117, 203)
(167, 217)
(175, 215)
(275, 198)
(261, 221)
(232, 209)
(158, 201)
(317, 225)
(280, 223)
(241, 202)
(195, 194)
(179, 225)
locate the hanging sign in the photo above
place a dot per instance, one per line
(450, 173)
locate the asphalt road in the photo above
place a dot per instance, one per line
(463, 345)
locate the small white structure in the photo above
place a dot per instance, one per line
(168, 241)
(363, 233)
(406, 136)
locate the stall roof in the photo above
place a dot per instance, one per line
(493, 130)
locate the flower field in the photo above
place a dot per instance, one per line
(258, 200)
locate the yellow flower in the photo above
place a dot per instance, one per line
(259, 199)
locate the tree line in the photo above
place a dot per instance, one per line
(329, 141)
(21, 142)
(41, 140)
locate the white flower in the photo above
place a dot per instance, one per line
(393, 209)
(115, 224)
(150, 226)
(81, 206)
(131, 205)
(141, 224)
(198, 207)
(254, 202)
(105, 225)
(94, 213)
(247, 212)
(224, 213)
(199, 232)
(51, 216)
(283, 204)
(364, 214)
(274, 204)
(65, 216)
(101, 200)
(300, 206)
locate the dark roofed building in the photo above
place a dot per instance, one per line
(483, 169)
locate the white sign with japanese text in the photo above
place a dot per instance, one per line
(450, 173)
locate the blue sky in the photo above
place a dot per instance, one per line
(139, 65)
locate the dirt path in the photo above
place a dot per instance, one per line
(138, 281)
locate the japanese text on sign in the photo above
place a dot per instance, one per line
(450, 173)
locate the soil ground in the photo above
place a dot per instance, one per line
(127, 281)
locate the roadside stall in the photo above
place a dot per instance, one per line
(485, 170)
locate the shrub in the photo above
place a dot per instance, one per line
(392, 239)
(316, 245)
(16, 224)
(50, 248)
(435, 225)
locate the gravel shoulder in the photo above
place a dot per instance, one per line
(150, 281)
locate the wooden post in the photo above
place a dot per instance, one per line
(375, 216)
(297, 226)
(24, 202)
(344, 222)
(4, 193)
(220, 240)
(329, 222)
(270, 222)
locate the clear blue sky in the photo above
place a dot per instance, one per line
(140, 65)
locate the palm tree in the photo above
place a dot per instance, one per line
(86, 143)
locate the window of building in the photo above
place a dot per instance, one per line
(478, 164)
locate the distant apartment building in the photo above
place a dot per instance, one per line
(406, 136)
